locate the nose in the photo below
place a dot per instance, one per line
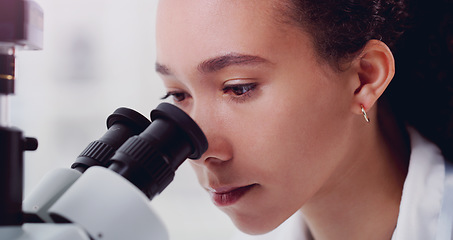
(212, 123)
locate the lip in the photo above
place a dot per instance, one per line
(225, 196)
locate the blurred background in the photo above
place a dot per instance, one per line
(99, 55)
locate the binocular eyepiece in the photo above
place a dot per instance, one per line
(146, 153)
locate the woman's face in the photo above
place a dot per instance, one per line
(277, 119)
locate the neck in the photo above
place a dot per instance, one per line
(362, 199)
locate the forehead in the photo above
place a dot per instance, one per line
(206, 28)
(200, 9)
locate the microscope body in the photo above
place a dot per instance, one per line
(100, 204)
(124, 211)
(39, 231)
(51, 187)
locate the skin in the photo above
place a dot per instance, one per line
(278, 117)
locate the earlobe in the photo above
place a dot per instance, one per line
(375, 68)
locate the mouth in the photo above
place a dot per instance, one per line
(225, 196)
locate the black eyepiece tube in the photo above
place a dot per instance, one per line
(121, 125)
(150, 159)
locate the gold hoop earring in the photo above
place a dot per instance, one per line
(364, 114)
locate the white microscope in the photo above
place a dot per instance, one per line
(105, 194)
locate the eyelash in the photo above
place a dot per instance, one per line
(176, 96)
(240, 92)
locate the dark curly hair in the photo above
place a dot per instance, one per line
(420, 35)
(340, 29)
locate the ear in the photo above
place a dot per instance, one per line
(374, 69)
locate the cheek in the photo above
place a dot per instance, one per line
(294, 136)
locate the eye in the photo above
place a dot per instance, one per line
(177, 96)
(239, 89)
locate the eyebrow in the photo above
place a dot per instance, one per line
(162, 69)
(230, 59)
(217, 63)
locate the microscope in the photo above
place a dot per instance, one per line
(105, 193)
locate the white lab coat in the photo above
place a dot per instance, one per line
(426, 209)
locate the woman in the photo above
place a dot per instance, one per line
(290, 96)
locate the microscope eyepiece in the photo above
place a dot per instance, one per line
(150, 159)
(121, 125)
(168, 112)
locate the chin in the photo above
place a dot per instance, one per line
(254, 226)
